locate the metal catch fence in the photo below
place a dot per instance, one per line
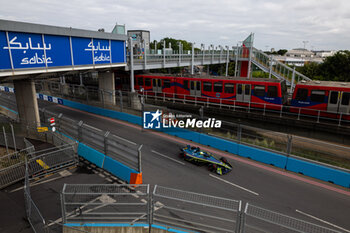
(194, 211)
(105, 203)
(109, 144)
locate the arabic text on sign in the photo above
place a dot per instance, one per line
(97, 48)
(18, 45)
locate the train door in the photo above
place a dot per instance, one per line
(243, 92)
(344, 105)
(333, 101)
(157, 85)
(195, 88)
(338, 102)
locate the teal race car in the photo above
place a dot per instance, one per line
(197, 156)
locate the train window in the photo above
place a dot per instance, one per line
(159, 82)
(147, 82)
(229, 88)
(272, 91)
(192, 85)
(207, 86)
(333, 98)
(301, 94)
(317, 96)
(140, 81)
(346, 98)
(166, 84)
(154, 82)
(239, 89)
(247, 90)
(186, 84)
(198, 86)
(283, 87)
(259, 90)
(218, 87)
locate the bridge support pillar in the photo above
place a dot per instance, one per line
(106, 85)
(27, 103)
(135, 101)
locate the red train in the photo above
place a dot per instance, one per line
(331, 98)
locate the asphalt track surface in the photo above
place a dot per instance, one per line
(258, 184)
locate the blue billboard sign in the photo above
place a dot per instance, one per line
(20, 50)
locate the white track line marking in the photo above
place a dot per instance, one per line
(101, 175)
(167, 157)
(250, 191)
(126, 140)
(318, 219)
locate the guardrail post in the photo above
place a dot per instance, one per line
(5, 138)
(59, 121)
(139, 157)
(80, 123)
(341, 115)
(105, 142)
(239, 218)
(64, 219)
(13, 137)
(121, 100)
(239, 133)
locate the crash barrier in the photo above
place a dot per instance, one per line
(105, 150)
(40, 163)
(172, 210)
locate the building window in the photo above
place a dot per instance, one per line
(259, 91)
(207, 86)
(218, 87)
(317, 96)
(229, 88)
(272, 91)
(301, 94)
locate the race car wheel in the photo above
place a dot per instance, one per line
(223, 159)
(212, 167)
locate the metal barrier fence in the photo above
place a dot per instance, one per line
(261, 108)
(111, 145)
(105, 203)
(193, 211)
(40, 163)
(258, 219)
(328, 154)
(172, 209)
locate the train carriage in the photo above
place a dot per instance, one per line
(323, 98)
(260, 93)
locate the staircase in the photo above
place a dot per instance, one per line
(276, 68)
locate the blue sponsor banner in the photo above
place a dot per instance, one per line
(27, 50)
(102, 51)
(82, 51)
(59, 51)
(31, 50)
(4, 53)
(118, 51)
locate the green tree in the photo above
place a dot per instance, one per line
(174, 44)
